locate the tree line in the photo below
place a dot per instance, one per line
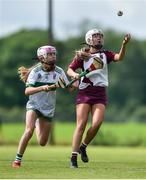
(127, 100)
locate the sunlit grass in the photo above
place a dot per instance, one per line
(53, 162)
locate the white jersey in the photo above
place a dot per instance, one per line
(97, 77)
(43, 101)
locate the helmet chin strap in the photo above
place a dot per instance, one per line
(98, 46)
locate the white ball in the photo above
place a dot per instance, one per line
(120, 13)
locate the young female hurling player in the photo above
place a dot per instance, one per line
(91, 97)
(41, 104)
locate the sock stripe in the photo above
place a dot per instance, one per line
(84, 145)
(18, 157)
(75, 153)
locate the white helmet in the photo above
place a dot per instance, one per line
(90, 33)
(42, 52)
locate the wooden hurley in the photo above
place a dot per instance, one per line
(97, 64)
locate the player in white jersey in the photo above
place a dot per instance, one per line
(91, 95)
(42, 98)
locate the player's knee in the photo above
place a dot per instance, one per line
(42, 142)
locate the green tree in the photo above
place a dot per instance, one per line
(127, 78)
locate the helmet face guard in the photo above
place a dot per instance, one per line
(88, 38)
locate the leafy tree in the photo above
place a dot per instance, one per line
(127, 78)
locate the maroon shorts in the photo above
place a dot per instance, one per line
(92, 95)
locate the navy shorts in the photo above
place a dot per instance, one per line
(92, 95)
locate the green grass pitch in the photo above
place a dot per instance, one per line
(52, 162)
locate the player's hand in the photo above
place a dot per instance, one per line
(126, 39)
(83, 54)
(75, 84)
(76, 76)
(47, 87)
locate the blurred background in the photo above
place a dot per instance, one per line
(29, 24)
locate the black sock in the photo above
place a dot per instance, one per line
(83, 146)
(74, 155)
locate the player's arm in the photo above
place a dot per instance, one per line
(77, 62)
(74, 65)
(72, 73)
(33, 90)
(30, 85)
(119, 56)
